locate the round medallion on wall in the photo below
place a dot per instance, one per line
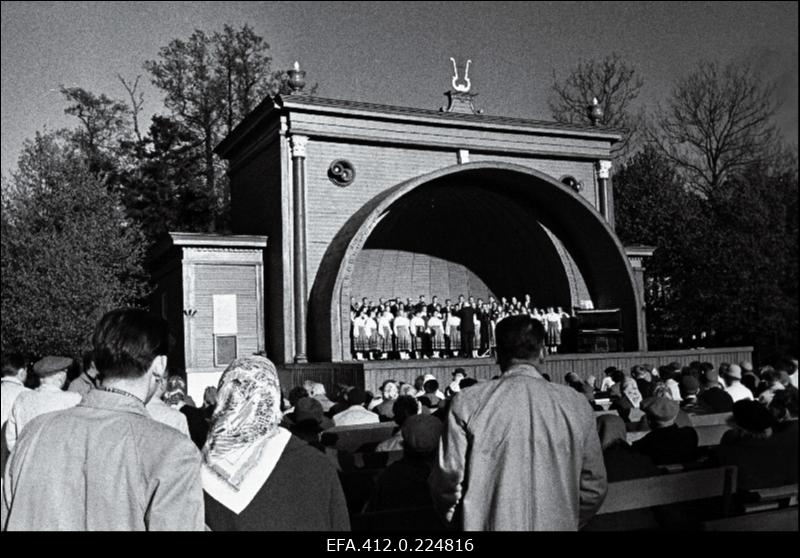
(342, 172)
(572, 183)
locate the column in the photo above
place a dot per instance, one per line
(298, 144)
(603, 173)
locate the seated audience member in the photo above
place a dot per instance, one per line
(407, 389)
(640, 374)
(165, 414)
(783, 409)
(256, 475)
(87, 381)
(690, 388)
(712, 394)
(769, 385)
(355, 413)
(660, 390)
(454, 387)
(429, 400)
(389, 394)
(295, 394)
(763, 459)
(307, 421)
(670, 378)
(608, 381)
(627, 404)
(732, 376)
(786, 369)
(588, 391)
(48, 397)
(405, 406)
(666, 442)
(340, 401)
(317, 391)
(621, 460)
(615, 391)
(427, 378)
(404, 484)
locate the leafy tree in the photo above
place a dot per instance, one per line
(613, 82)
(68, 253)
(717, 123)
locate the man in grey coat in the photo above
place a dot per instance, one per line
(105, 465)
(519, 453)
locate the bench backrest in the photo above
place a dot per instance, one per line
(357, 438)
(669, 489)
(707, 435)
(777, 520)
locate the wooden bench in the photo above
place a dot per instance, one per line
(707, 435)
(669, 489)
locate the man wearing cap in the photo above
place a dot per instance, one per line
(106, 465)
(496, 472)
(404, 484)
(666, 443)
(712, 394)
(690, 387)
(48, 397)
(732, 376)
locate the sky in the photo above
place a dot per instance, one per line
(394, 53)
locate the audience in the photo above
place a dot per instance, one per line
(712, 394)
(405, 406)
(621, 460)
(389, 394)
(732, 376)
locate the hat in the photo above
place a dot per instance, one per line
(735, 371)
(751, 415)
(308, 409)
(421, 433)
(746, 365)
(51, 365)
(690, 385)
(660, 410)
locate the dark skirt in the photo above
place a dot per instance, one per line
(553, 335)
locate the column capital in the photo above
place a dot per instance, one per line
(603, 169)
(298, 144)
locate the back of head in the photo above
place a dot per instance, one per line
(618, 376)
(466, 382)
(431, 386)
(421, 434)
(661, 412)
(356, 396)
(404, 406)
(126, 341)
(295, 394)
(689, 386)
(752, 416)
(317, 389)
(519, 338)
(12, 364)
(784, 405)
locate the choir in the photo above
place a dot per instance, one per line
(393, 329)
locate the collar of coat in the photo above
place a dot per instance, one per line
(100, 399)
(524, 369)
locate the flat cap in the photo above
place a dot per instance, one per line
(421, 433)
(660, 409)
(51, 365)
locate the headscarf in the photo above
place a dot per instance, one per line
(631, 391)
(611, 429)
(245, 419)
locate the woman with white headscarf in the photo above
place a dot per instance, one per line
(256, 475)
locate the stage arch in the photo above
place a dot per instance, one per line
(491, 218)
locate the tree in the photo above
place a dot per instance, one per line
(210, 84)
(105, 124)
(68, 253)
(716, 123)
(613, 82)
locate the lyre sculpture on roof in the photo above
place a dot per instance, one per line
(467, 83)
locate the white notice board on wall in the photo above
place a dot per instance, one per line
(225, 315)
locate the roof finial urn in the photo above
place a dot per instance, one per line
(595, 112)
(297, 79)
